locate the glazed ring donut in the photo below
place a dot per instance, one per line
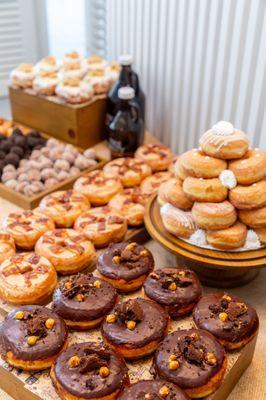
(177, 290)
(253, 218)
(131, 171)
(176, 221)
(32, 337)
(213, 216)
(102, 226)
(251, 168)
(155, 389)
(193, 360)
(64, 207)
(157, 156)
(83, 300)
(135, 328)
(151, 183)
(249, 197)
(229, 238)
(125, 203)
(25, 227)
(224, 141)
(179, 171)
(196, 163)
(68, 250)
(98, 186)
(89, 371)
(125, 265)
(27, 278)
(261, 232)
(204, 190)
(233, 322)
(172, 192)
(7, 246)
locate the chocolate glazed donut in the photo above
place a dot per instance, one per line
(89, 371)
(176, 289)
(125, 265)
(31, 337)
(192, 359)
(155, 389)
(233, 322)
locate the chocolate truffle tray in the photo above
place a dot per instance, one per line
(37, 386)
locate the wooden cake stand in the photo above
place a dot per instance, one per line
(216, 268)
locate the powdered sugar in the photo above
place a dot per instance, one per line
(252, 241)
(198, 238)
(223, 128)
(228, 179)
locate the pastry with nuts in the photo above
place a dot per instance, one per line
(193, 360)
(83, 300)
(68, 250)
(64, 207)
(27, 278)
(156, 155)
(89, 371)
(176, 289)
(125, 265)
(102, 226)
(134, 328)
(31, 337)
(229, 318)
(26, 227)
(153, 390)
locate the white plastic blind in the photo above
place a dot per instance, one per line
(200, 61)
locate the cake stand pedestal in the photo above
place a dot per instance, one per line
(222, 269)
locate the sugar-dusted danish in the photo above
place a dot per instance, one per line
(153, 389)
(249, 197)
(172, 192)
(7, 246)
(127, 204)
(232, 321)
(176, 221)
(131, 171)
(192, 359)
(89, 371)
(228, 238)
(224, 141)
(64, 207)
(204, 190)
(27, 278)
(135, 328)
(177, 290)
(68, 250)
(25, 227)
(156, 155)
(102, 225)
(152, 183)
(83, 300)
(98, 186)
(31, 337)
(253, 218)
(199, 165)
(213, 216)
(250, 168)
(125, 265)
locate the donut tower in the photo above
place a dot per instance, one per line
(218, 195)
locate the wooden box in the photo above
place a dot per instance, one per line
(81, 124)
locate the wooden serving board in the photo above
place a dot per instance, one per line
(37, 386)
(215, 268)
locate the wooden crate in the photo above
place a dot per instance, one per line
(81, 124)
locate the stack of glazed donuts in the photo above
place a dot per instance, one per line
(218, 195)
(186, 363)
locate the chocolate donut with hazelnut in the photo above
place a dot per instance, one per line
(31, 337)
(232, 321)
(176, 289)
(125, 265)
(192, 359)
(135, 328)
(83, 300)
(89, 371)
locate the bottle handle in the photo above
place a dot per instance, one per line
(136, 111)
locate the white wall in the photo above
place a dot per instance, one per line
(199, 61)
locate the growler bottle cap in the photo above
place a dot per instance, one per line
(126, 93)
(125, 59)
